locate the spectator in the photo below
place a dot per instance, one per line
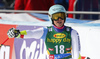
(33, 4)
(62, 2)
(1, 4)
(8, 4)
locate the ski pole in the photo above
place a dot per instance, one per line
(3, 42)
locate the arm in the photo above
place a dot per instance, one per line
(75, 44)
(38, 33)
(34, 33)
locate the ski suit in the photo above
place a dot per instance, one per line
(60, 43)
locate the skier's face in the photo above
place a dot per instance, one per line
(59, 22)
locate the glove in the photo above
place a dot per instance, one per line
(13, 33)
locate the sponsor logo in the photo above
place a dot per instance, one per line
(4, 52)
(54, 40)
(84, 57)
(59, 40)
(69, 52)
(67, 40)
(50, 49)
(51, 56)
(68, 49)
(59, 9)
(59, 35)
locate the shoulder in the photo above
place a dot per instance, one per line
(74, 33)
(68, 28)
(47, 28)
(73, 30)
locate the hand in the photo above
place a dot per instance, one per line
(13, 33)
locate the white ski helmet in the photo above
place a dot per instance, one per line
(56, 9)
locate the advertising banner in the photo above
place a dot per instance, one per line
(7, 47)
(29, 48)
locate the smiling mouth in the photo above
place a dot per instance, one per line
(59, 22)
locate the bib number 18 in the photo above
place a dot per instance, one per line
(61, 47)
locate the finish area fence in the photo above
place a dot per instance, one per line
(88, 15)
(69, 12)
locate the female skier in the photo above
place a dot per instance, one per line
(62, 42)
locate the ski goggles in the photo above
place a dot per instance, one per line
(56, 16)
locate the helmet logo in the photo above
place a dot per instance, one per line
(57, 9)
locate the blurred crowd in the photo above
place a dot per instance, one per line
(7, 4)
(70, 5)
(31, 4)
